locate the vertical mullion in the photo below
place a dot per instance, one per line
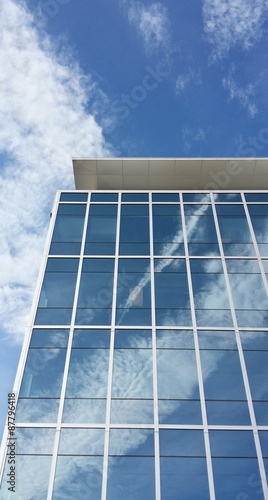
(198, 359)
(67, 360)
(241, 358)
(111, 358)
(154, 357)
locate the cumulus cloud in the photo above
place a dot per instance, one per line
(151, 22)
(44, 122)
(228, 23)
(245, 96)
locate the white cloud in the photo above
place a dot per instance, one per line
(43, 123)
(151, 23)
(183, 80)
(233, 22)
(243, 95)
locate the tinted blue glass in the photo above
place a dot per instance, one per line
(100, 210)
(71, 209)
(199, 197)
(258, 209)
(216, 339)
(133, 197)
(104, 196)
(43, 373)
(261, 412)
(91, 338)
(237, 478)
(166, 197)
(78, 477)
(254, 340)
(171, 291)
(228, 197)
(201, 235)
(85, 411)
(264, 442)
(101, 229)
(231, 210)
(256, 364)
(133, 339)
(134, 209)
(87, 377)
(227, 413)
(234, 229)
(175, 339)
(33, 473)
(53, 316)
(34, 441)
(131, 478)
(174, 412)
(133, 293)
(139, 442)
(68, 228)
(181, 443)
(177, 374)
(232, 443)
(57, 290)
(62, 265)
(95, 290)
(81, 441)
(186, 477)
(248, 292)
(49, 338)
(132, 411)
(133, 266)
(134, 248)
(98, 266)
(93, 316)
(222, 375)
(134, 229)
(170, 265)
(197, 210)
(37, 410)
(261, 197)
(99, 248)
(161, 209)
(132, 374)
(73, 197)
(65, 248)
(260, 226)
(168, 235)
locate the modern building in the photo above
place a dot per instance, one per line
(144, 371)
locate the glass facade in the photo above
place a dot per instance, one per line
(145, 373)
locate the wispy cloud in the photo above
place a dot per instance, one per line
(245, 96)
(191, 136)
(233, 22)
(151, 22)
(44, 121)
(183, 80)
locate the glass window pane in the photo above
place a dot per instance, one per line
(181, 443)
(88, 371)
(237, 478)
(135, 197)
(68, 228)
(166, 197)
(232, 443)
(132, 374)
(176, 339)
(222, 375)
(177, 374)
(71, 209)
(32, 478)
(215, 339)
(131, 478)
(104, 196)
(34, 441)
(62, 265)
(57, 290)
(37, 410)
(81, 441)
(86, 411)
(187, 475)
(128, 209)
(78, 477)
(102, 209)
(228, 413)
(91, 338)
(228, 197)
(175, 412)
(43, 373)
(73, 197)
(197, 197)
(49, 337)
(133, 339)
(132, 411)
(256, 364)
(135, 442)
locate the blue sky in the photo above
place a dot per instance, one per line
(166, 78)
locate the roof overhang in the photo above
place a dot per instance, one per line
(202, 174)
